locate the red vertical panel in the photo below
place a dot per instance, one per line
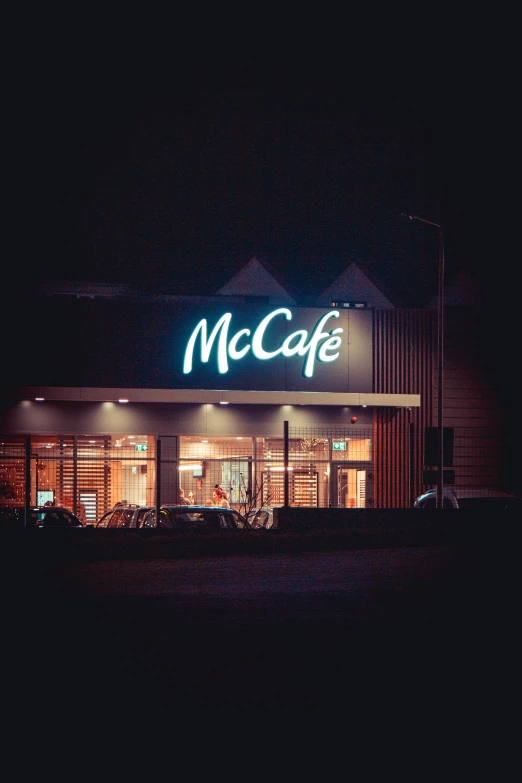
(404, 352)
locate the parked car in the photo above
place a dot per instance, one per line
(54, 516)
(192, 518)
(39, 516)
(261, 518)
(473, 497)
(124, 516)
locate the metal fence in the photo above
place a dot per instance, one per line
(327, 467)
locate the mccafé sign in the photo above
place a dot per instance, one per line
(321, 343)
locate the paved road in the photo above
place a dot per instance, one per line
(301, 631)
(328, 586)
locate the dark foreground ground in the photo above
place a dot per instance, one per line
(344, 629)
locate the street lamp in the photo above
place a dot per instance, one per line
(440, 354)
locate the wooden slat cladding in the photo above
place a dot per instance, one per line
(405, 362)
(471, 402)
(404, 359)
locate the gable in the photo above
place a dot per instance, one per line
(254, 280)
(463, 291)
(353, 285)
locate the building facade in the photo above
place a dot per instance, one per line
(126, 397)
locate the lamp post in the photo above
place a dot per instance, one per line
(440, 356)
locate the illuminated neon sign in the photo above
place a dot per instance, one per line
(321, 345)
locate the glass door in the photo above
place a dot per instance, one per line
(349, 486)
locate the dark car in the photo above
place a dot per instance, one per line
(192, 518)
(478, 498)
(53, 516)
(121, 516)
(40, 516)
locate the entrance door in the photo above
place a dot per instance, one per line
(349, 487)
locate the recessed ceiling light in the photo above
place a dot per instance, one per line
(39, 399)
(122, 400)
(223, 403)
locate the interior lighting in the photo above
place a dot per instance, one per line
(39, 399)
(122, 400)
(223, 402)
(191, 466)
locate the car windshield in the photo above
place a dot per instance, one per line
(237, 519)
(141, 513)
(259, 518)
(122, 518)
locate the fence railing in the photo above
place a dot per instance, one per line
(323, 467)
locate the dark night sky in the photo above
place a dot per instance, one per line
(177, 190)
(171, 181)
(170, 175)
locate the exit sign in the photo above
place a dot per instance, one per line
(141, 447)
(339, 445)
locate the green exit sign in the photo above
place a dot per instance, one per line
(339, 445)
(141, 447)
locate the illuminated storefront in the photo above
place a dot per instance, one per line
(150, 395)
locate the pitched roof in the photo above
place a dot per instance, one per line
(254, 280)
(463, 291)
(353, 285)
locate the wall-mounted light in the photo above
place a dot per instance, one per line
(191, 466)
(122, 400)
(223, 402)
(39, 399)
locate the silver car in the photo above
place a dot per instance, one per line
(123, 516)
(471, 497)
(261, 518)
(192, 518)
